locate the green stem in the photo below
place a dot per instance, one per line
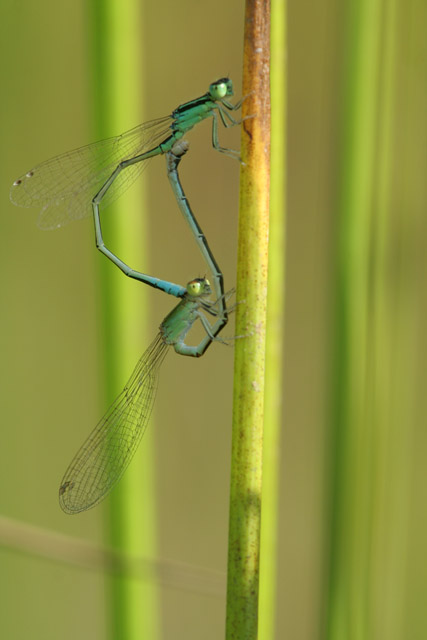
(248, 408)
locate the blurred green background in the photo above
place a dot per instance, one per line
(52, 339)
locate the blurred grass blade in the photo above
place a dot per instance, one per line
(367, 540)
(118, 78)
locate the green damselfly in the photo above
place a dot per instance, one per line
(69, 186)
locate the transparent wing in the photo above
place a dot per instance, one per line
(63, 187)
(101, 461)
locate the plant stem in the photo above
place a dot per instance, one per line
(252, 268)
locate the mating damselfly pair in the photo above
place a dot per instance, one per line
(72, 186)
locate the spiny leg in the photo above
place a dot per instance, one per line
(215, 140)
(234, 107)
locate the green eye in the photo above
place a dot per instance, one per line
(199, 287)
(221, 88)
(194, 288)
(218, 91)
